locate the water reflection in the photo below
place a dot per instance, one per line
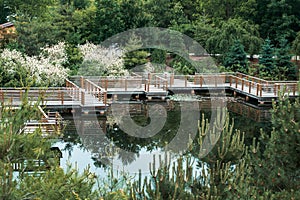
(108, 145)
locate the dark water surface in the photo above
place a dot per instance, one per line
(99, 142)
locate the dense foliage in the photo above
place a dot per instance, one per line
(214, 24)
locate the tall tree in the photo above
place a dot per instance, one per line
(231, 30)
(134, 55)
(33, 34)
(296, 45)
(279, 168)
(108, 21)
(285, 68)
(236, 59)
(160, 12)
(4, 12)
(266, 58)
(278, 18)
(134, 14)
(29, 8)
(219, 9)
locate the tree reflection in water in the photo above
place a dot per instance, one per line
(113, 143)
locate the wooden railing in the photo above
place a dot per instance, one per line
(49, 124)
(119, 83)
(95, 90)
(15, 95)
(158, 80)
(73, 89)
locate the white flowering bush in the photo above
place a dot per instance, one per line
(56, 54)
(101, 61)
(44, 70)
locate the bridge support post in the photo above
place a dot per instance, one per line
(81, 82)
(247, 98)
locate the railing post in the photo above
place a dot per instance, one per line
(250, 84)
(82, 98)
(125, 84)
(257, 88)
(81, 82)
(171, 77)
(166, 84)
(185, 81)
(243, 84)
(62, 97)
(260, 91)
(21, 94)
(215, 77)
(236, 82)
(1, 95)
(201, 81)
(105, 97)
(294, 89)
(230, 80)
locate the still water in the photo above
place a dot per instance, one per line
(100, 142)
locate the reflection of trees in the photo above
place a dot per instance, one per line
(97, 134)
(70, 136)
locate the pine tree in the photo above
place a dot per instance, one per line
(279, 168)
(134, 56)
(224, 172)
(286, 70)
(236, 58)
(266, 58)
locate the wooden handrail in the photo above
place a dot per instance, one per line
(95, 90)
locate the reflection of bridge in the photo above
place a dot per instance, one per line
(99, 92)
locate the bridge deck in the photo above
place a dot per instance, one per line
(94, 91)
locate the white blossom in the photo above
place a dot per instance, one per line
(98, 60)
(45, 70)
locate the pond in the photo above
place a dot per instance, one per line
(101, 142)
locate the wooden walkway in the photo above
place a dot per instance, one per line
(99, 92)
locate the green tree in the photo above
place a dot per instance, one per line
(134, 56)
(158, 56)
(203, 29)
(231, 30)
(160, 13)
(134, 14)
(221, 174)
(296, 45)
(278, 170)
(286, 70)
(266, 59)
(219, 9)
(4, 11)
(236, 59)
(46, 181)
(182, 66)
(278, 18)
(108, 20)
(17, 8)
(33, 34)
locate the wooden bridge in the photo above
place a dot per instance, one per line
(99, 92)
